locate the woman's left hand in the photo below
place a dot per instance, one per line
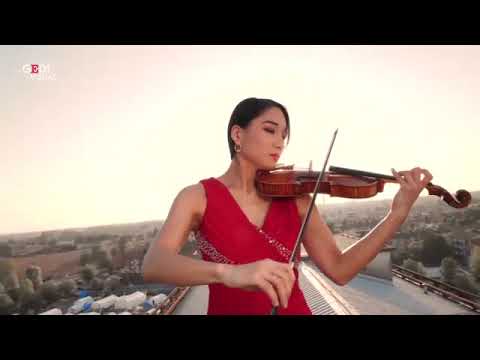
(411, 185)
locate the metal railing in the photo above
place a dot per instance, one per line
(449, 292)
(172, 301)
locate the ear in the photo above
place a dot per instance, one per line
(236, 134)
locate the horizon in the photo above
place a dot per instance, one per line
(111, 134)
(347, 202)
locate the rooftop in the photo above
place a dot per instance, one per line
(369, 293)
(363, 295)
(373, 296)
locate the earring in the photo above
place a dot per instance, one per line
(237, 148)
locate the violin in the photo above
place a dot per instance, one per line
(284, 181)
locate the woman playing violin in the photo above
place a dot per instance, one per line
(246, 239)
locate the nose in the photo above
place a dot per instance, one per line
(279, 145)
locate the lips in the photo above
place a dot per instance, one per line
(275, 156)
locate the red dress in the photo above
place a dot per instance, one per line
(226, 235)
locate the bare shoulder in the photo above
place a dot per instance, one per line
(192, 192)
(182, 219)
(193, 198)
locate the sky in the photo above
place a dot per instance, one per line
(111, 134)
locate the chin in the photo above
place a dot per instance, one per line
(268, 166)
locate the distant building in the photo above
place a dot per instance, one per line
(66, 243)
(461, 248)
(475, 242)
(69, 235)
(433, 272)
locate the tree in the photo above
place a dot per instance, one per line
(15, 294)
(6, 266)
(49, 291)
(34, 273)
(36, 303)
(399, 256)
(78, 240)
(101, 259)
(476, 267)
(435, 249)
(85, 258)
(448, 269)
(113, 282)
(87, 273)
(332, 226)
(122, 245)
(26, 294)
(6, 250)
(95, 249)
(106, 263)
(8, 275)
(52, 243)
(464, 282)
(415, 250)
(67, 287)
(6, 304)
(27, 286)
(99, 255)
(41, 239)
(414, 266)
(97, 284)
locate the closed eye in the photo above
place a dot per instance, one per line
(272, 131)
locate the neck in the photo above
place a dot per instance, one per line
(240, 176)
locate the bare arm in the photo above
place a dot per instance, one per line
(163, 263)
(342, 266)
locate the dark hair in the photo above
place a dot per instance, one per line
(249, 109)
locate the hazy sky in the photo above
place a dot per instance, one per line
(114, 132)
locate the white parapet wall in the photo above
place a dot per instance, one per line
(104, 303)
(54, 311)
(131, 301)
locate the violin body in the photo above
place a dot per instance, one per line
(292, 183)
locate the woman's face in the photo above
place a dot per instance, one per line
(263, 141)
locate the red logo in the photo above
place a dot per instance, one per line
(38, 71)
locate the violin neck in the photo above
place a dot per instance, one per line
(352, 172)
(345, 171)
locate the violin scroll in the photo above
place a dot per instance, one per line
(461, 199)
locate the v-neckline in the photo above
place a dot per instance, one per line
(241, 210)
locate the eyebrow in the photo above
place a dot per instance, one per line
(271, 122)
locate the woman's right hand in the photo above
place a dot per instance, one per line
(274, 278)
